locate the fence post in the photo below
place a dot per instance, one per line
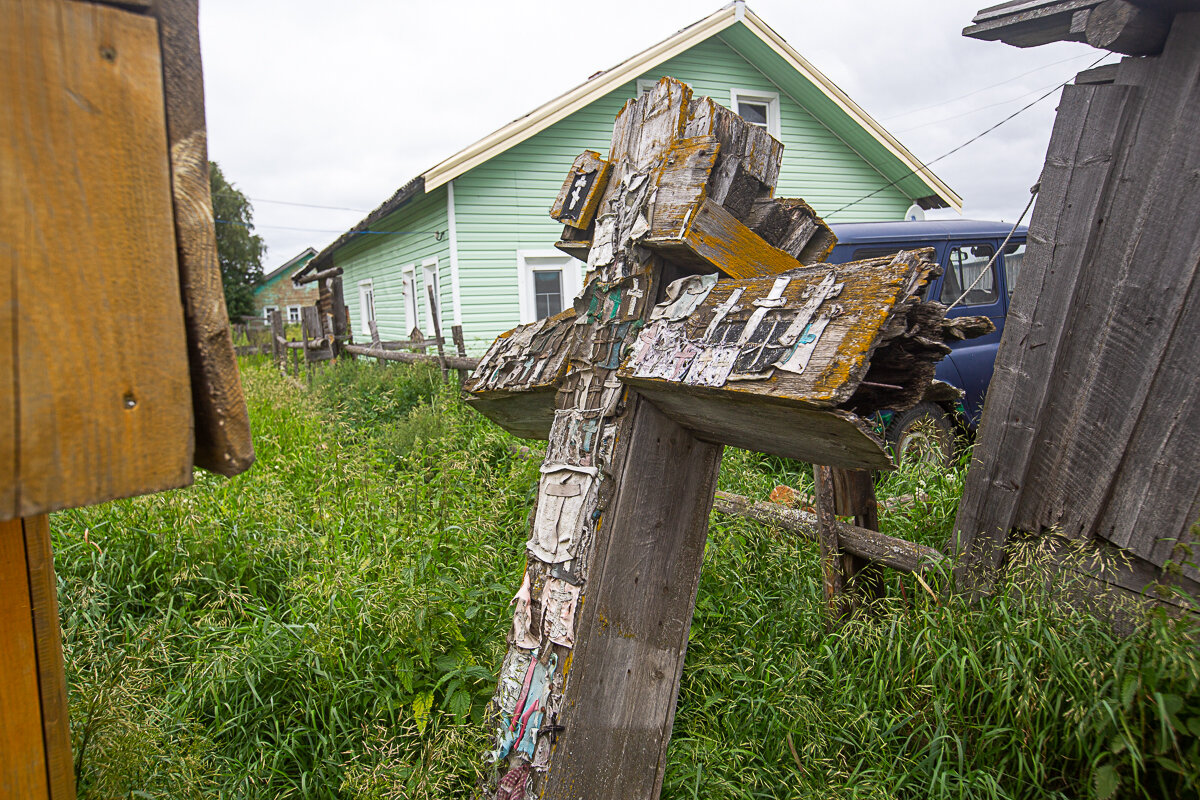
(460, 344)
(435, 312)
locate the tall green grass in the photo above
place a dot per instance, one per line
(330, 623)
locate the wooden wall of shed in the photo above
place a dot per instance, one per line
(1090, 423)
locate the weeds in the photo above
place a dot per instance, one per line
(329, 625)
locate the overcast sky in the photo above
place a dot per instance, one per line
(339, 104)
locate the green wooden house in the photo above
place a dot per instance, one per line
(276, 292)
(476, 228)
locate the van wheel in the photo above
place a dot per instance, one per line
(923, 433)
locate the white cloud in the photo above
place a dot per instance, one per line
(341, 104)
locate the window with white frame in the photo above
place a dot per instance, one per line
(366, 305)
(293, 314)
(429, 278)
(547, 281)
(267, 312)
(757, 108)
(409, 288)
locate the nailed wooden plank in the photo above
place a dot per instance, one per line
(1106, 364)
(22, 753)
(222, 423)
(633, 629)
(89, 273)
(682, 184)
(1087, 133)
(52, 679)
(715, 239)
(870, 545)
(575, 205)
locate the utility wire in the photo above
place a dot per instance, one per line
(231, 191)
(940, 120)
(1033, 193)
(984, 89)
(973, 139)
(324, 230)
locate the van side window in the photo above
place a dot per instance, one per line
(1014, 256)
(874, 252)
(963, 266)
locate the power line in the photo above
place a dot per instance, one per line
(232, 191)
(436, 234)
(981, 108)
(985, 88)
(977, 137)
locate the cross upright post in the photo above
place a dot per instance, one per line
(699, 325)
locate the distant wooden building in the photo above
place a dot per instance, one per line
(276, 291)
(475, 226)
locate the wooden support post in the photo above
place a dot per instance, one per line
(341, 325)
(278, 348)
(835, 562)
(460, 346)
(437, 332)
(35, 740)
(854, 496)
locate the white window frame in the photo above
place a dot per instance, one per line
(267, 312)
(291, 321)
(530, 260)
(770, 99)
(366, 310)
(408, 288)
(430, 275)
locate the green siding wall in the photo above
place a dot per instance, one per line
(422, 233)
(502, 206)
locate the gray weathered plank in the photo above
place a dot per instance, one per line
(633, 629)
(1125, 310)
(1086, 133)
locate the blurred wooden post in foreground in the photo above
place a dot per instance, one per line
(120, 376)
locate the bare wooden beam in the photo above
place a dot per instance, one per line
(1122, 27)
(452, 362)
(1029, 23)
(889, 551)
(318, 276)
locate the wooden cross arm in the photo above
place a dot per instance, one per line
(791, 364)
(516, 380)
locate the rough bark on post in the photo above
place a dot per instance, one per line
(835, 562)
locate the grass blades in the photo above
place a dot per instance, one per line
(329, 625)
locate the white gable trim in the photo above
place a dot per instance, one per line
(852, 109)
(563, 106)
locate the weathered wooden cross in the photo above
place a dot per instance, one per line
(699, 326)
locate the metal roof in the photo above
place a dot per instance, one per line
(924, 230)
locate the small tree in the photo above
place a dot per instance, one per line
(239, 249)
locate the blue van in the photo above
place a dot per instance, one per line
(963, 248)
